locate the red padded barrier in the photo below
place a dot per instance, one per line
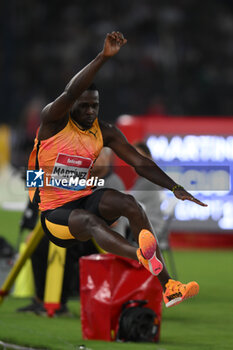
(107, 281)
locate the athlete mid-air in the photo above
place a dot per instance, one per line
(69, 140)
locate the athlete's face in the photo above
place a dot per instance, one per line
(86, 109)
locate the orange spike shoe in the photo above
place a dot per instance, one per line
(146, 252)
(176, 292)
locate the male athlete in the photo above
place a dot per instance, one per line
(69, 140)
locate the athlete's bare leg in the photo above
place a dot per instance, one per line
(84, 225)
(113, 204)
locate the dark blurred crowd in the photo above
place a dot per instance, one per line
(178, 60)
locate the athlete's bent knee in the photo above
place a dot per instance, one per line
(82, 223)
(131, 205)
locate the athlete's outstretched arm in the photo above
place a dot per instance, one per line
(83, 79)
(145, 167)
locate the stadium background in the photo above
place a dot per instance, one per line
(178, 58)
(178, 62)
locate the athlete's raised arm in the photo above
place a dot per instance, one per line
(82, 80)
(144, 167)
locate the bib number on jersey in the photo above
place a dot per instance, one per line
(70, 172)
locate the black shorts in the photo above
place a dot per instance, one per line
(55, 221)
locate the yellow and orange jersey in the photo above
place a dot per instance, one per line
(69, 153)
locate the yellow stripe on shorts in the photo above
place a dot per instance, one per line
(59, 231)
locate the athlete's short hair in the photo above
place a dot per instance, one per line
(92, 87)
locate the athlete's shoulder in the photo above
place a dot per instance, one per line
(105, 125)
(109, 131)
(108, 127)
(48, 130)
